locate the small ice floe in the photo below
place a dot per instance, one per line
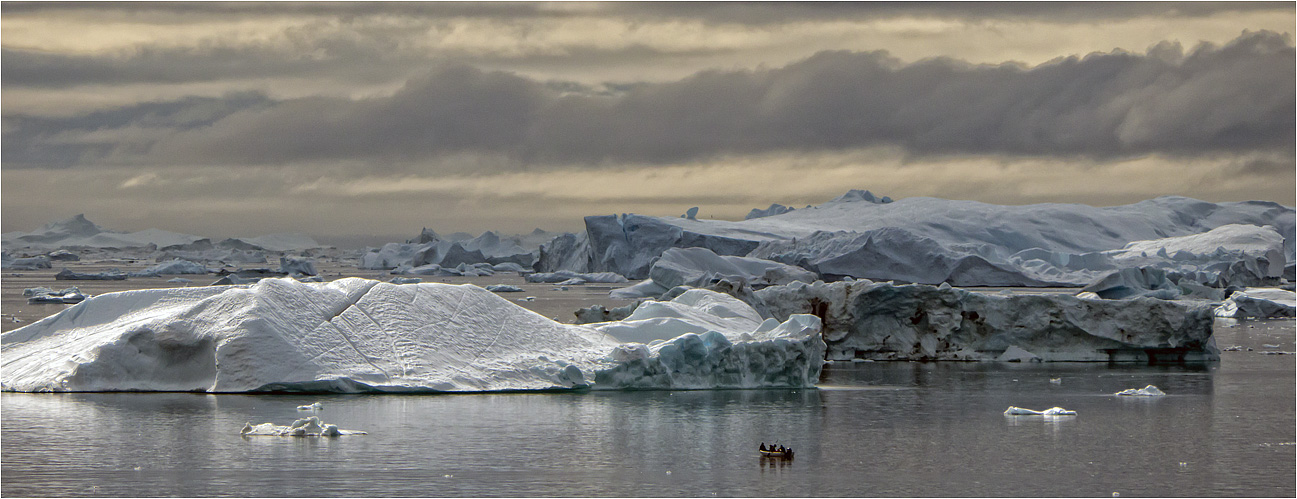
(1052, 411)
(529, 298)
(313, 407)
(1235, 348)
(1148, 391)
(305, 427)
(1056, 381)
(504, 288)
(1269, 346)
(46, 295)
(1275, 352)
(179, 280)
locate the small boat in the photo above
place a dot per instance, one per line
(786, 454)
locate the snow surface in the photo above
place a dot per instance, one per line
(882, 321)
(924, 240)
(360, 335)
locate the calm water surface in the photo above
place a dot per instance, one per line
(872, 429)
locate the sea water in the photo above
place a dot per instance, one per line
(871, 429)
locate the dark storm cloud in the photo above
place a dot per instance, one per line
(53, 141)
(1229, 99)
(754, 13)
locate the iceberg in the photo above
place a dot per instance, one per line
(176, 266)
(46, 295)
(699, 267)
(361, 335)
(1148, 391)
(297, 266)
(107, 275)
(304, 427)
(965, 243)
(1259, 303)
(774, 209)
(31, 263)
(563, 275)
(1052, 411)
(883, 321)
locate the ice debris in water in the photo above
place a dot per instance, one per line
(305, 427)
(1053, 411)
(313, 407)
(1148, 391)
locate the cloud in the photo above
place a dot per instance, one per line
(1235, 98)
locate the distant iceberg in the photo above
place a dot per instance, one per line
(360, 335)
(965, 243)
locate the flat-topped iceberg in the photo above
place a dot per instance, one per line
(965, 243)
(360, 335)
(882, 321)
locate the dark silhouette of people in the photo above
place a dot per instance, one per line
(763, 446)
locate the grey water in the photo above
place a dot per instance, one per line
(870, 429)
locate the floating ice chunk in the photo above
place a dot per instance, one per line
(313, 407)
(1056, 381)
(46, 295)
(1053, 411)
(179, 280)
(305, 427)
(1148, 391)
(504, 288)
(405, 280)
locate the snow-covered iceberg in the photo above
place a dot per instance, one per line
(882, 321)
(359, 335)
(929, 240)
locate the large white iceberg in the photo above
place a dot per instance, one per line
(356, 335)
(929, 240)
(882, 321)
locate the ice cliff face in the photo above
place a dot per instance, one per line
(918, 322)
(356, 335)
(930, 240)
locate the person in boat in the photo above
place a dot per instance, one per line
(763, 446)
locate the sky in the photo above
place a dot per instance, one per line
(365, 122)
